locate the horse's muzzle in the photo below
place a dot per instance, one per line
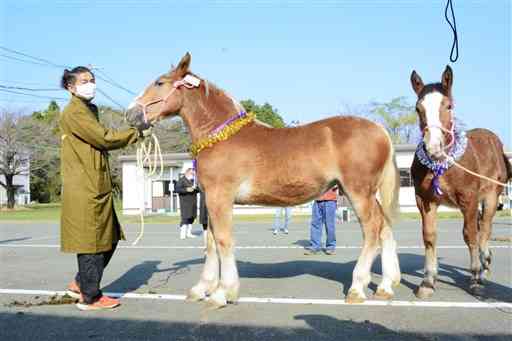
(134, 116)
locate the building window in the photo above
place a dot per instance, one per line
(405, 178)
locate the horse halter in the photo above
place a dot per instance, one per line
(188, 82)
(450, 132)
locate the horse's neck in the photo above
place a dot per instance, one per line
(201, 116)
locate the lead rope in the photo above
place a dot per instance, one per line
(148, 153)
(455, 163)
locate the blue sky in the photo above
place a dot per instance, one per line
(310, 59)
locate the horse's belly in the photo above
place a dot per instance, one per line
(275, 193)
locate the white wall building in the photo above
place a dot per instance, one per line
(22, 196)
(156, 195)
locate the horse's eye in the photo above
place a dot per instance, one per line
(159, 83)
(450, 107)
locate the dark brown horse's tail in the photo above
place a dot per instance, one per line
(389, 188)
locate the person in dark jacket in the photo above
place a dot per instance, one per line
(187, 191)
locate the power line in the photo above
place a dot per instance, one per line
(110, 81)
(29, 89)
(46, 61)
(31, 95)
(23, 60)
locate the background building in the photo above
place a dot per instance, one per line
(155, 193)
(22, 196)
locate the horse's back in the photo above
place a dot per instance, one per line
(489, 153)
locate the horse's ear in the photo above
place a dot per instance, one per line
(416, 82)
(183, 66)
(447, 78)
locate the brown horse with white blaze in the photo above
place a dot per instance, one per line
(278, 167)
(438, 182)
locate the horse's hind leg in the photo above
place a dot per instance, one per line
(390, 266)
(485, 229)
(428, 212)
(470, 233)
(371, 220)
(210, 276)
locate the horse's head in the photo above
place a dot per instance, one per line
(164, 97)
(435, 111)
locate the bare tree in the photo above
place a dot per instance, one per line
(24, 147)
(14, 159)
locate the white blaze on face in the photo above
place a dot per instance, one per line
(433, 139)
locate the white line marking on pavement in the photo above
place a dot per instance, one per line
(256, 247)
(167, 297)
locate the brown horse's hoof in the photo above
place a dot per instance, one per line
(476, 289)
(424, 292)
(381, 294)
(353, 297)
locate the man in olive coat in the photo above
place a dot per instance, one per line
(89, 225)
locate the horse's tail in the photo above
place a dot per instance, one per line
(508, 166)
(389, 188)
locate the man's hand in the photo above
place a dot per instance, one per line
(144, 129)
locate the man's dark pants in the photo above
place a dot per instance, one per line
(90, 272)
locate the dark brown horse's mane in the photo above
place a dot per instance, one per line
(434, 87)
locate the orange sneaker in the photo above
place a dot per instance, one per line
(73, 290)
(103, 303)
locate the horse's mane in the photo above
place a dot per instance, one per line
(212, 88)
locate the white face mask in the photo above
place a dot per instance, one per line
(86, 91)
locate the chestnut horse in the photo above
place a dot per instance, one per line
(278, 167)
(437, 181)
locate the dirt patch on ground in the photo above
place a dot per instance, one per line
(53, 300)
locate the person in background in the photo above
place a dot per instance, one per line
(187, 191)
(324, 213)
(89, 226)
(282, 219)
(203, 216)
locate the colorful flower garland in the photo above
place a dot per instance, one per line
(440, 167)
(223, 132)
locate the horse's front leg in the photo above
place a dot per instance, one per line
(428, 212)
(220, 209)
(210, 276)
(470, 233)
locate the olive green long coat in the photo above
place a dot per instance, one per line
(88, 221)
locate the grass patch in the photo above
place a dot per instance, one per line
(51, 212)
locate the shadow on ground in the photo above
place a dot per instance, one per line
(6, 241)
(42, 327)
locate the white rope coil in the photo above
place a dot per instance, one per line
(150, 155)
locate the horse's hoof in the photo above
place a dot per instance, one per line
(195, 295)
(476, 289)
(382, 294)
(218, 299)
(424, 292)
(232, 297)
(353, 297)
